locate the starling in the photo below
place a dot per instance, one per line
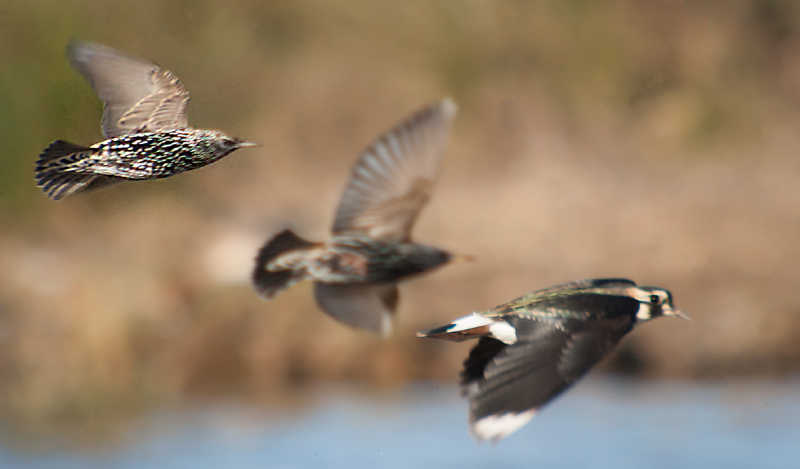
(144, 122)
(357, 270)
(533, 348)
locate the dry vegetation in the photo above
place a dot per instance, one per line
(652, 140)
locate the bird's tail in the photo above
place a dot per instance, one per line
(57, 171)
(472, 326)
(269, 283)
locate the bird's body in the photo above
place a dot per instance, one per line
(144, 120)
(359, 259)
(145, 155)
(356, 271)
(533, 348)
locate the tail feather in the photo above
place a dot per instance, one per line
(59, 149)
(56, 174)
(268, 283)
(461, 329)
(472, 326)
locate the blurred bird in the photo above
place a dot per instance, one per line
(144, 122)
(533, 348)
(356, 271)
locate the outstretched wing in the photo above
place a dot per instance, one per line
(359, 305)
(507, 384)
(393, 178)
(138, 95)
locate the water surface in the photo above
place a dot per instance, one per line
(602, 423)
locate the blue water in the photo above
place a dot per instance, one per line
(602, 423)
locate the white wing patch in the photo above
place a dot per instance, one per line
(495, 427)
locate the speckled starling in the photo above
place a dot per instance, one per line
(357, 270)
(144, 122)
(533, 348)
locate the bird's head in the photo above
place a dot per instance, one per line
(225, 144)
(420, 258)
(424, 258)
(655, 302)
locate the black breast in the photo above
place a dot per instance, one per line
(396, 262)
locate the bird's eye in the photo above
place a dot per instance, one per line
(655, 299)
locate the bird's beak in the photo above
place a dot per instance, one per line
(678, 313)
(462, 258)
(247, 144)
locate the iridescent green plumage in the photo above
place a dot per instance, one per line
(560, 301)
(533, 348)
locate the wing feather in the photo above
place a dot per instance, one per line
(595, 297)
(364, 306)
(392, 179)
(545, 361)
(138, 95)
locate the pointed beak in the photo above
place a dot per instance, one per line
(247, 144)
(462, 258)
(678, 313)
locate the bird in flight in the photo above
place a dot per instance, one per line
(356, 271)
(533, 348)
(147, 134)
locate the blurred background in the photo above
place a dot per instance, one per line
(651, 140)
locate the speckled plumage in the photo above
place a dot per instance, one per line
(144, 120)
(356, 271)
(533, 348)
